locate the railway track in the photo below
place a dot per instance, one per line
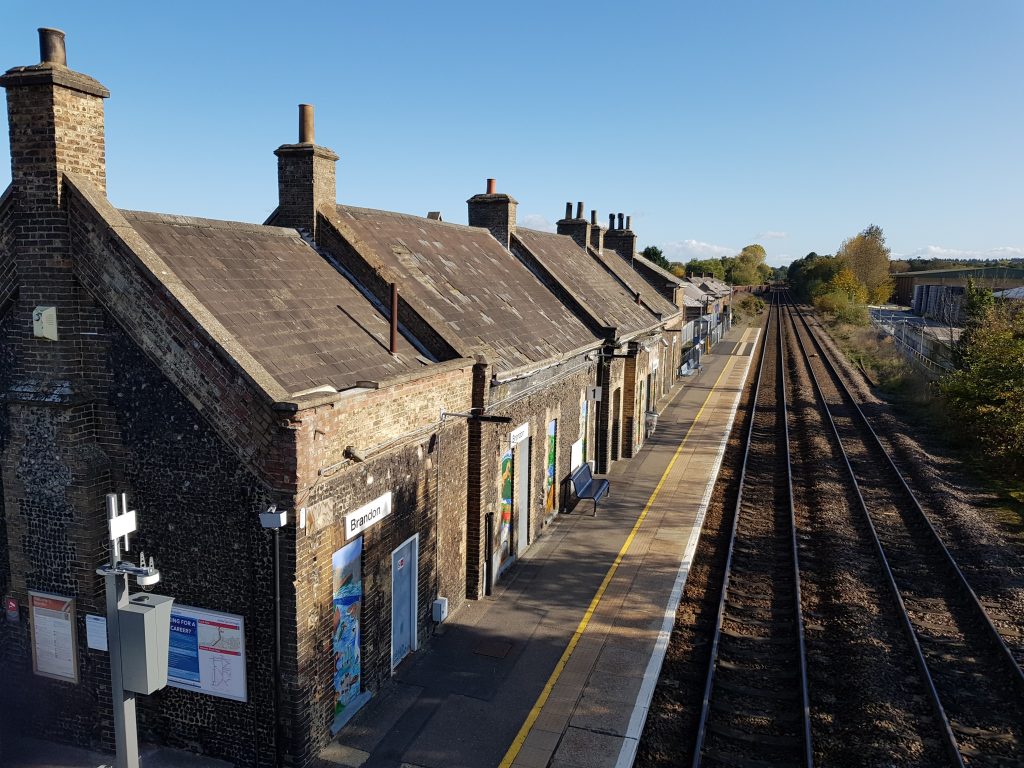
(755, 707)
(974, 684)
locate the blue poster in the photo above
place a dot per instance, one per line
(347, 599)
(183, 657)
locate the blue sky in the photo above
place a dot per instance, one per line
(714, 124)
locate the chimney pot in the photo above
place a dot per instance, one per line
(51, 47)
(629, 223)
(306, 133)
(593, 218)
(620, 221)
(568, 210)
(579, 210)
(611, 221)
(492, 187)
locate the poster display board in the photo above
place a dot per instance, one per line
(549, 473)
(54, 646)
(347, 599)
(207, 652)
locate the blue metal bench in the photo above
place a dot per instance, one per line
(586, 487)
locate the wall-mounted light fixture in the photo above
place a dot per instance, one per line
(353, 453)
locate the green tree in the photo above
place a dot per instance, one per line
(867, 256)
(746, 266)
(846, 284)
(987, 391)
(653, 253)
(713, 267)
(809, 276)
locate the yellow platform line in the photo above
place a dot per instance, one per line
(520, 739)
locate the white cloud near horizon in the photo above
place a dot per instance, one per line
(536, 221)
(684, 250)
(773, 234)
(938, 252)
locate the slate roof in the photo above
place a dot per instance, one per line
(588, 280)
(621, 268)
(283, 302)
(463, 278)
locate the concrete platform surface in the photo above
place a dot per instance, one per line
(32, 753)
(557, 667)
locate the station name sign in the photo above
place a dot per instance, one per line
(367, 515)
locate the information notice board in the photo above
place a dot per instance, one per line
(207, 652)
(54, 647)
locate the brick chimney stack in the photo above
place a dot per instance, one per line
(305, 177)
(56, 130)
(596, 233)
(578, 228)
(621, 238)
(55, 117)
(494, 211)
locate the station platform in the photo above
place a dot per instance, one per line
(557, 667)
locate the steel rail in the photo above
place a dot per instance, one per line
(804, 690)
(720, 614)
(949, 739)
(1003, 651)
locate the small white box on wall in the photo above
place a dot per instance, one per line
(440, 609)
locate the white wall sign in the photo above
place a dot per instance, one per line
(44, 323)
(655, 359)
(576, 455)
(207, 652)
(594, 393)
(96, 632)
(54, 650)
(367, 515)
(519, 434)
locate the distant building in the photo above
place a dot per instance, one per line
(994, 278)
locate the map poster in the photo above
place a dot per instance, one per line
(347, 603)
(207, 652)
(54, 648)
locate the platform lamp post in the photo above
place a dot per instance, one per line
(274, 520)
(146, 641)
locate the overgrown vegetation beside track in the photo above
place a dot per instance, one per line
(976, 414)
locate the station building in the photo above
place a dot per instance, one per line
(414, 393)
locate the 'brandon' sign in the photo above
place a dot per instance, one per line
(367, 515)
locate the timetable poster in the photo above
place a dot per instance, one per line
(54, 649)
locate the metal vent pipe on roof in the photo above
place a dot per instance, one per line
(492, 187)
(579, 210)
(306, 124)
(51, 47)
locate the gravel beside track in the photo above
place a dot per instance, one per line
(979, 691)
(869, 699)
(868, 704)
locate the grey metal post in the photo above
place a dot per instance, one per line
(123, 702)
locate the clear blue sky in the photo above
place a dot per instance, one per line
(714, 124)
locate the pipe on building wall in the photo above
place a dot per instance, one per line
(394, 318)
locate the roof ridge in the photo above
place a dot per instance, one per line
(200, 222)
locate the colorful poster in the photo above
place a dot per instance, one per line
(206, 652)
(347, 592)
(549, 474)
(54, 651)
(504, 531)
(583, 422)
